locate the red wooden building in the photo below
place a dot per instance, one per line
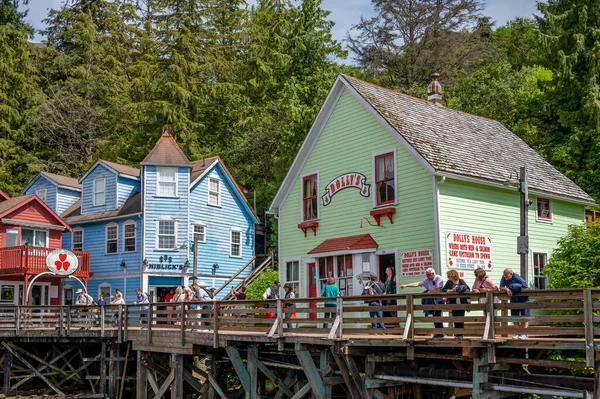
(29, 230)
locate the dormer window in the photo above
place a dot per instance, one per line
(214, 192)
(310, 190)
(99, 191)
(41, 193)
(167, 182)
(385, 178)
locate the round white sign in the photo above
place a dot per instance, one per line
(62, 261)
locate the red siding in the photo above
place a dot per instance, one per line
(33, 212)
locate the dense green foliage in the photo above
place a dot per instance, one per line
(246, 82)
(257, 288)
(576, 261)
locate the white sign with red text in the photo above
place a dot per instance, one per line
(62, 262)
(414, 263)
(468, 251)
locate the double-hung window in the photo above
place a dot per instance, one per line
(112, 238)
(167, 182)
(214, 192)
(129, 236)
(235, 243)
(544, 210)
(292, 275)
(385, 178)
(34, 238)
(540, 280)
(41, 193)
(199, 232)
(310, 205)
(99, 191)
(77, 242)
(166, 234)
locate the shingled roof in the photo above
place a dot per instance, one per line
(166, 152)
(463, 144)
(131, 207)
(200, 166)
(62, 180)
(123, 169)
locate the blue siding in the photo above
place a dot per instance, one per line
(126, 188)
(65, 199)
(94, 241)
(219, 220)
(166, 207)
(133, 282)
(40, 183)
(88, 191)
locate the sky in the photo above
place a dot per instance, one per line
(344, 13)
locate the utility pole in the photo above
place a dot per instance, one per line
(523, 239)
(195, 268)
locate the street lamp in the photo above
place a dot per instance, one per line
(523, 239)
(124, 267)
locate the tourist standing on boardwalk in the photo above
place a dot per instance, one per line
(375, 287)
(432, 284)
(84, 300)
(512, 284)
(483, 283)
(330, 291)
(272, 292)
(101, 301)
(456, 284)
(201, 295)
(240, 295)
(290, 294)
(142, 299)
(117, 300)
(390, 288)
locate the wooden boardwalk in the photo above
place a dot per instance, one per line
(566, 320)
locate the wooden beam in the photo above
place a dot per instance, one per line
(216, 386)
(302, 392)
(84, 366)
(326, 369)
(164, 386)
(152, 382)
(312, 373)
(354, 394)
(238, 366)
(29, 366)
(102, 386)
(8, 358)
(290, 379)
(142, 378)
(355, 376)
(252, 371)
(111, 371)
(177, 367)
(269, 374)
(194, 383)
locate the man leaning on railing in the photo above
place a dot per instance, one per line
(84, 300)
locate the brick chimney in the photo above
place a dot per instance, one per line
(434, 90)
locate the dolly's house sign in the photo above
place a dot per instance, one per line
(349, 180)
(468, 251)
(62, 262)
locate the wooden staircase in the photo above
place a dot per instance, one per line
(267, 263)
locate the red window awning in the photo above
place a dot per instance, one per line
(341, 245)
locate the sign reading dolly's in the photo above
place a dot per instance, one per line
(349, 180)
(468, 251)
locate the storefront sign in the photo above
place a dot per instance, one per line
(165, 263)
(355, 180)
(62, 262)
(414, 263)
(468, 251)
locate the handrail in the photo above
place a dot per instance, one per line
(32, 260)
(236, 274)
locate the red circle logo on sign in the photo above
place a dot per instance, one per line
(62, 261)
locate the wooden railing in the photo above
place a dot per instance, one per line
(567, 315)
(32, 260)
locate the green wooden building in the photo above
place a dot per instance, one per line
(385, 179)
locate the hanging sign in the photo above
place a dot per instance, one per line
(62, 262)
(468, 251)
(414, 263)
(349, 180)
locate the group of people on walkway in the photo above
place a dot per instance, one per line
(511, 283)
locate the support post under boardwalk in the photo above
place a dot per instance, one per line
(597, 379)
(253, 371)
(112, 385)
(177, 384)
(238, 366)
(141, 377)
(102, 387)
(480, 374)
(8, 359)
(312, 373)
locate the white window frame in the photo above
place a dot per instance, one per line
(286, 278)
(125, 238)
(157, 246)
(41, 193)
(160, 173)
(218, 192)
(116, 239)
(13, 231)
(547, 257)
(76, 230)
(106, 297)
(203, 234)
(302, 220)
(231, 243)
(95, 191)
(35, 231)
(539, 218)
(374, 192)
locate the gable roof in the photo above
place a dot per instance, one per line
(202, 166)
(12, 204)
(446, 142)
(132, 206)
(3, 196)
(59, 180)
(117, 168)
(345, 244)
(166, 152)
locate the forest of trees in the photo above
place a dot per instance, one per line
(246, 81)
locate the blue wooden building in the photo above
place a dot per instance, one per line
(140, 225)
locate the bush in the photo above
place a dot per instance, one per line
(257, 288)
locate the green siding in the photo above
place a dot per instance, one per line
(347, 143)
(474, 208)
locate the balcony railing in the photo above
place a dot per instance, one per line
(32, 260)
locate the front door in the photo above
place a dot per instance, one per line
(312, 286)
